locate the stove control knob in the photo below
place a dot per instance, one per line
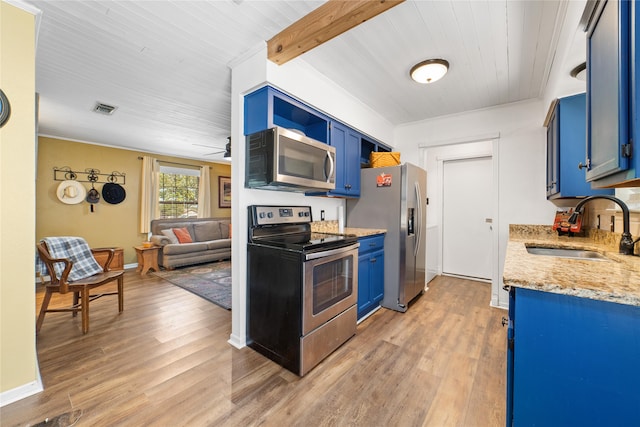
(261, 214)
(301, 213)
(306, 214)
(270, 215)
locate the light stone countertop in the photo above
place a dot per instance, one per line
(332, 227)
(615, 280)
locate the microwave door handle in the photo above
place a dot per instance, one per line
(328, 176)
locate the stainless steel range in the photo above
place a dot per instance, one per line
(302, 287)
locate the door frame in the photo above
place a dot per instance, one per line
(462, 150)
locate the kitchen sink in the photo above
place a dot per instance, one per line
(567, 253)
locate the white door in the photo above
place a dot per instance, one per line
(467, 194)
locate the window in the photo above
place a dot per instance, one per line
(178, 197)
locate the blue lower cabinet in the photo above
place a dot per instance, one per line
(370, 273)
(572, 361)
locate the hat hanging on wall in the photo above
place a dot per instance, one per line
(71, 192)
(113, 193)
(93, 196)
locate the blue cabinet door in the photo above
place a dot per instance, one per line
(553, 152)
(510, 342)
(376, 283)
(566, 140)
(612, 93)
(352, 163)
(370, 273)
(347, 144)
(575, 361)
(365, 302)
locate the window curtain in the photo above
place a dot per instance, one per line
(149, 208)
(204, 193)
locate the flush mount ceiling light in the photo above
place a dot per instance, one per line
(429, 71)
(580, 72)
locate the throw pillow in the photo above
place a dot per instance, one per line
(183, 235)
(224, 229)
(206, 231)
(169, 234)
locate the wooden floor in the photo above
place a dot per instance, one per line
(165, 361)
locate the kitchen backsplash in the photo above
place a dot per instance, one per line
(607, 211)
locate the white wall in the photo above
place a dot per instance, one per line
(298, 79)
(519, 150)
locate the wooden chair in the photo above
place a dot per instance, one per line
(81, 288)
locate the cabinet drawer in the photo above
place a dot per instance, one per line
(371, 243)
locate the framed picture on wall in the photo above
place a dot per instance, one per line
(224, 192)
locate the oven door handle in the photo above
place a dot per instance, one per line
(316, 255)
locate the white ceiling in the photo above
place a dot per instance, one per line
(165, 64)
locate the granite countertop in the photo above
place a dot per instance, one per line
(615, 280)
(332, 227)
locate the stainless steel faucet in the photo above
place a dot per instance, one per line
(626, 242)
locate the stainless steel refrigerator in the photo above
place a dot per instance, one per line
(394, 198)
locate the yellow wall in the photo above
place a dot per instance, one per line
(18, 366)
(108, 225)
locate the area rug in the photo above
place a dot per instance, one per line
(210, 281)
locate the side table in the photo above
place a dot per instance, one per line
(147, 258)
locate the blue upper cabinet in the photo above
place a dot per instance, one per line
(613, 79)
(347, 143)
(566, 136)
(268, 107)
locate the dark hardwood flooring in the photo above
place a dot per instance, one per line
(165, 361)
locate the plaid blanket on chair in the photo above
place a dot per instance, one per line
(77, 250)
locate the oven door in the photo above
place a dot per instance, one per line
(330, 285)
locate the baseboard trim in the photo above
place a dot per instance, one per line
(366, 316)
(22, 391)
(475, 279)
(237, 342)
(500, 306)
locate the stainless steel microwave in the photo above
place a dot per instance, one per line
(285, 159)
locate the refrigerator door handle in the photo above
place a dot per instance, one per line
(410, 222)
(418, 226)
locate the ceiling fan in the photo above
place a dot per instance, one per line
(226, 150)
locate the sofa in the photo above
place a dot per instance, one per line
(211, 240)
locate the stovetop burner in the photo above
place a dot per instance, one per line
(306, 241)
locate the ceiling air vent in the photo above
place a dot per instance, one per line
(104, 108)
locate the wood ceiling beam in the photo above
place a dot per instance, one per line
(324, 23)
